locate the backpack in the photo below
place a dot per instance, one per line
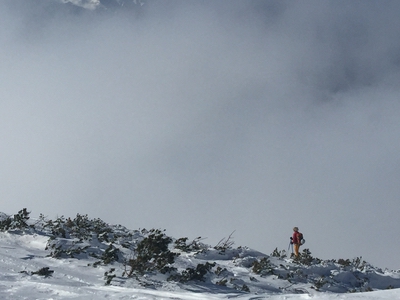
(301, 238)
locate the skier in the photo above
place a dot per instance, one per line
(296, 240)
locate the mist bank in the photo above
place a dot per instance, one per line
(216, 115)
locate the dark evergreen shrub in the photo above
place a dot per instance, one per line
(109, 276)
(306, 258)
(279, 254)
(110, 255)
(245, 288)
(152, 253)
(319, 283)
(222, 282)
(193, 274)
(263, 267)
(18, 221)
(343, 262)
(46, 272)
(193, 246)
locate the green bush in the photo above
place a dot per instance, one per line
(279, 254)
(193, 274)
(319, 283)
(109, 276)
(305, 258)
(45, 272)
(263, 267)
(18, 221)
(245, 288)
(344, 262)
(110, 255)
(193, 246)
(152, 253)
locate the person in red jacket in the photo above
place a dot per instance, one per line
(296, 240)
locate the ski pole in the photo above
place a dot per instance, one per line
(290, 243)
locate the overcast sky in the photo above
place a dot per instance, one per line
(208, 117)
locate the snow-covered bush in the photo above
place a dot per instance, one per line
(263, 267)
(82, 237)
(194, 246)
(196, 274)
(18, 221)
(153, 258)
(225, 244)
(306, 258)
(279, 254)
(152, 253)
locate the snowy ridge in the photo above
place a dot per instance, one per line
(88, 4)
(85, 258)
(95, 4)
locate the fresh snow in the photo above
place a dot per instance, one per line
(23, 252)
(95, 4)
(88, 4)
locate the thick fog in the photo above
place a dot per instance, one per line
(208, 117)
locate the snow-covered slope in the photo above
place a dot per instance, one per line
(85, 258)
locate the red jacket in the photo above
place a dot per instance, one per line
(296, 238)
